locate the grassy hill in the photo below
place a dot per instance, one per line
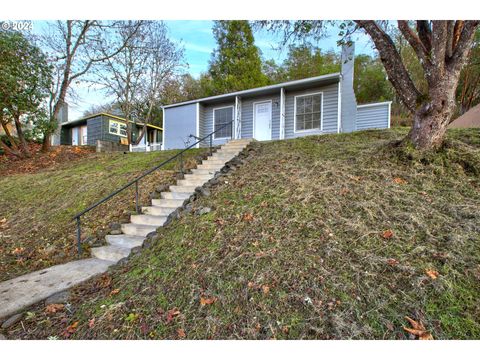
(36, 227)
(323, 237)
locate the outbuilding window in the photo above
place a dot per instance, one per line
(308, 112)
(117, 128)
(222, 116)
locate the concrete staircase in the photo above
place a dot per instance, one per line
(18, 293)
(154, 216)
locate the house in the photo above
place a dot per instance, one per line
(318, 105)
(106, 128)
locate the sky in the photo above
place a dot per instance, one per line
(197, 39)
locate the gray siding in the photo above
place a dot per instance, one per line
(179, 124)
(247, 115)
(208, 120)
(330, 111)
(95, 129)
(373, 117)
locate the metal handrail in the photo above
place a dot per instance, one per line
(136, 180)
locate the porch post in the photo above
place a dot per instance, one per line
(282, 113)
(237, 128)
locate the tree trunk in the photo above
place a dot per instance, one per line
(432, 118)
(47, 142)
(21, 137)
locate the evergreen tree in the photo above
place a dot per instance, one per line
(236, 63)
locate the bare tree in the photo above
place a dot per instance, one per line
(74, 47)
(442, 48)
(136, 76)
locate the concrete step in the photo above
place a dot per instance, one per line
(210, 166)
(214, 162)
(182, 188)
(199, 171)
(172, 203)
(148, 220)
(158, 210)
(110, 253)
(23, 291)
(176, 195)
(192, 182)
(126, 241)
(138, 229)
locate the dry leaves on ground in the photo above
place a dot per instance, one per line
(53, 308)
(433, 274)
(418, 329)
(387, 234)
(207, 301)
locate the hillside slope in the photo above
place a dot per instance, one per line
(36, 226)
(321, 237)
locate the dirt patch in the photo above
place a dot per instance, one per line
(58, 156)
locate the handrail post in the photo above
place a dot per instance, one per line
(211, 151)
(79, 236)
(136, 197)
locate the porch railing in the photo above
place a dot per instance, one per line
(179, 155)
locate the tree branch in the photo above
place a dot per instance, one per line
(461, 46)
(415, 43)
(425, 34)
(391, 59)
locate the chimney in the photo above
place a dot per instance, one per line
(62, 117)
(348, 100)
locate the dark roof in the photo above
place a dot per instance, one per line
(84, 119)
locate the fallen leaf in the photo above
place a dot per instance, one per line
(181, 333)
(264, 204)
(250, 284)
(418, 329)
(207, 301)
(171, 314)
(91, 323)
(387, 234)
(70, 329)
(433, 274)
(114, 292)
(399, 181)
(392, 262)
(4, 220)
(344, 191)
(265, 289)
(18, 251)
(53, 308)
(247, 217)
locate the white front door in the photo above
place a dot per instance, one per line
(262, 118)
(75, 136)
(83, 136)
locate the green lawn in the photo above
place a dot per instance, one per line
(38, 207)
(297, 247)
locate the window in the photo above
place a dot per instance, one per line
(308, 112)
(221, 117)
(117, 128)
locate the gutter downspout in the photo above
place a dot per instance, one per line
(339, 120)
(163, 131)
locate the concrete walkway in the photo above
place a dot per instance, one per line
(24, 291)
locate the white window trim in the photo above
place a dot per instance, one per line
(271, 116)
(213, 112)
(295, 113)
(116, 133)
